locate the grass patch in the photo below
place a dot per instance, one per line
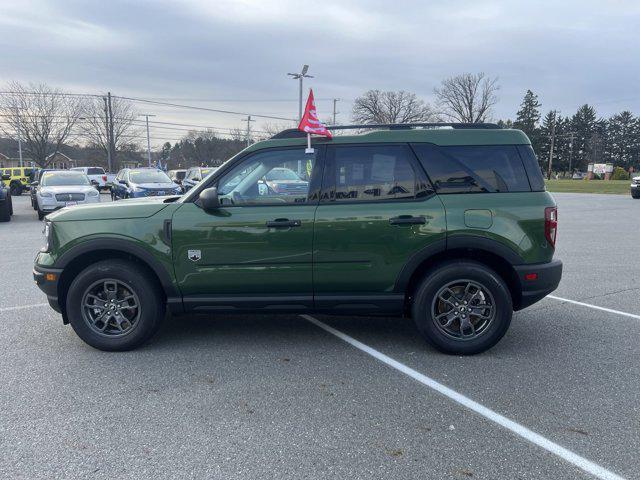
(619, 187)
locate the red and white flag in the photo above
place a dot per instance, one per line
(309, 122)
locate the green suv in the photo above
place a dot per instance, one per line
(449, 224)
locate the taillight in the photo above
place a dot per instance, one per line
(104, 178)
(551, 224)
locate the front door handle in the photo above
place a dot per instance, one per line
(283, 223)
(408, 220)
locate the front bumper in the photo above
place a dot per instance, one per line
(47, 280)
(547, 278)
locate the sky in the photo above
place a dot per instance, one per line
(234, 55)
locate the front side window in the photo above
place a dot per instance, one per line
(366, 173)
(473, 169)
(259, 179)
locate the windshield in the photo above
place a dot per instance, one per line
(282, 174)
(56, 179)
(148, 176)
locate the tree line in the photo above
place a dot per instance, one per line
(50, 121)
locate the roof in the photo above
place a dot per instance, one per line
(438, 136)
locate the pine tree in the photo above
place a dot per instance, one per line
(623, 140)
(528, 119)
(583, 124)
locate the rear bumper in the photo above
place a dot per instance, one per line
(47, 280)
(548, 277)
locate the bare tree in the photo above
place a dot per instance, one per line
(95, 125)
(467, 98)
(269, 129)
(376, 106)
(47, 117)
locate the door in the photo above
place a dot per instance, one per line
(256, 250)
(377, 210)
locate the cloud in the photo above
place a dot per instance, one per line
(567, 52)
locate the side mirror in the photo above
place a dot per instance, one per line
(35, 184)
(209, 199)
(94, 183)
(123, 182)
(196, 179)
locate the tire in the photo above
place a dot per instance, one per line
(126, 279)
(635, 195)
(41, 214)
(432, 299)
(16, 189)
(10, 205)
(5, 210)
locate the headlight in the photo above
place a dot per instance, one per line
(93, 193)
(46, 232)
(45, 195)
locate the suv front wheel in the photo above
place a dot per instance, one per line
(114, 305)
(462, 308)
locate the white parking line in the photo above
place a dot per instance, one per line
(520, 430)
(595, 307)
(23, 307)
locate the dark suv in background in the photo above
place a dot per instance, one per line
(194, 175)
(448, 224)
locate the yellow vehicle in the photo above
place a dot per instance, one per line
(18, 179)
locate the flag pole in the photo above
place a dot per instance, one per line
(309, 149)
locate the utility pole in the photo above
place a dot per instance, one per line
(300, 76)
(106, 124)
(112, 144)
(19, 136)
(335, 100)
(147, 115)
(248, 120)
(553, 139)
(570, 151)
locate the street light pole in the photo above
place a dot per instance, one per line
(300, 77)
(106, 124)
(19, 136)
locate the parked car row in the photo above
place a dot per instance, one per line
(56, 189)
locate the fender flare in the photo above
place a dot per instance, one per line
(125, 246)
(454, 242)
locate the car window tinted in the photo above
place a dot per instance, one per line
(247, 183)
(472, 169)
(95, 171)
(56, 179)
(148, 176)
(365, 173)
(531, 165)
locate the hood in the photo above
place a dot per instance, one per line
(130, 208)
(156, 186)
(68, 189)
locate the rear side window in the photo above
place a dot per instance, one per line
(95, 171)
(532, 167)
(366, 173)
(16, 172)
(474, 169)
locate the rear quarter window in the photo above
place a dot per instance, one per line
(474, 169)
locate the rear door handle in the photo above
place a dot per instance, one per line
(408, 220)
(283, 223)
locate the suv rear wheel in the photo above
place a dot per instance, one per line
(462, 307)
(114, 305)
(16, 189)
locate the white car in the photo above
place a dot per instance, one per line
(64, 188)
(97, 174)
(635, 187)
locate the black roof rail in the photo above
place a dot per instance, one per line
(295, 133)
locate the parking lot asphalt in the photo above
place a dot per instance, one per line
(234, 397)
